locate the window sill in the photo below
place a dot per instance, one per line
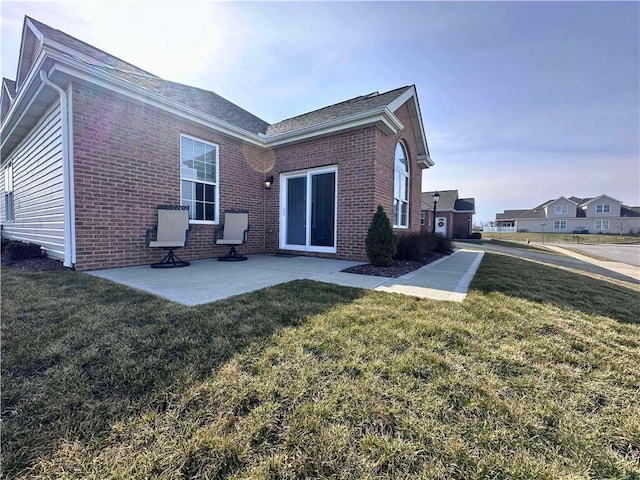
(203, 222)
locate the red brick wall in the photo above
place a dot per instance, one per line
(384, 167)
(127, 161)
(353, 153)
(458, 225)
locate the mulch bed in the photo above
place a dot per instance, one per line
(397, 269)
(39, 264)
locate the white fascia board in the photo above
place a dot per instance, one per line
(20, 98)
(28, 26)
(20, 94)
(5, 90)
(382, 117)
(408, 95)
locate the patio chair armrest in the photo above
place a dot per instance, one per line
(218, 233)
(147, 235)
(244, 236)
(186, 236)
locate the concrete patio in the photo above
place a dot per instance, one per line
(206, 281)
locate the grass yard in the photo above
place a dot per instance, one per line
(588, 239)
(534, 376)
(510, 244)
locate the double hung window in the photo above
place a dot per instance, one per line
(560, 225)
(603, 208)
(562, 209)
(199, 179)
(601, 224)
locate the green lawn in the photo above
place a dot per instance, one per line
(589, 239)
(534, 376)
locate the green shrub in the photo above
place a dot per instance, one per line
(416, 246)
(443, 244)
(381, 242)
(16, 250)
(5, 242)
(412, 246)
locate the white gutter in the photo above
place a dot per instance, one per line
(68, 196)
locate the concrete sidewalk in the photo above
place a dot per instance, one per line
(207, 281)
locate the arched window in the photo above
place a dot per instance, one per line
(401, 187)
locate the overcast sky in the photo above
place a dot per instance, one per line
(521, 102)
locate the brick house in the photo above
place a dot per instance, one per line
(454, 215)
(91, 145)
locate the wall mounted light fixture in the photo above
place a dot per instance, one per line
(268, 181)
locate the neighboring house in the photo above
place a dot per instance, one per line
(454, 216)
(91, 145)
(601, 214)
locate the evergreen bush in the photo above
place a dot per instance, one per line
(16, 250)
(381, 242)
(411, 246)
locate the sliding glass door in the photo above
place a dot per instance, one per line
(308, 210)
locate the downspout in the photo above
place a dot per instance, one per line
(67, 172)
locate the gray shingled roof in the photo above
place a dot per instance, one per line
(209, 102)
(522, 213)
(203, 100)
(448, 201)
(347, 108)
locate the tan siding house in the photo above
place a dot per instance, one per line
(601, 214)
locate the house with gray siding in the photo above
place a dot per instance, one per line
(600, 214)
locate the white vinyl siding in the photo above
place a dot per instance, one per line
(37, 186)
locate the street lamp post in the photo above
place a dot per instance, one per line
(542, 225)
(436, 199)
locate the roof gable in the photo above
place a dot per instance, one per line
(30, 45)
(7, 95)
(600, 197)
(560, 199)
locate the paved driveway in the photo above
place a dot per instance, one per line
(586, 265)
(629, 254)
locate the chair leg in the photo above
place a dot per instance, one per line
(232, 256)
(170, 261)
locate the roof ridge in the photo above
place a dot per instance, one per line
(135, 70)
(359, 97)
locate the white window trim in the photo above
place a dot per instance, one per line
(602, 223)
(559, 225)
(562, 209)
(283, 214)
(216, 184)
(8, 196)
(407, 175)
(602, 206)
